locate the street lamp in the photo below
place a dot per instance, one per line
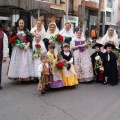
(67, 7)
(39, 8)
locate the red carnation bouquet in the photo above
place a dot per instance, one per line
(15, 39)
(60, 65)
(60, 38)
(38, 48)
(57, 38)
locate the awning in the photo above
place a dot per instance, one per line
(57, 12)
(26, 4)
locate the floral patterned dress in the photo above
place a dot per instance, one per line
(82, 62)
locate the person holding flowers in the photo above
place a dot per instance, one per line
(21, 65)
(52, 30)
(57, 66)
(97, 63)
(67, 33)
(38, 49)
(82, 60)
(68, 74)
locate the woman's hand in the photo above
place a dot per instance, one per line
(26, 48)
(50, 41)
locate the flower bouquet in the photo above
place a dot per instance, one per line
(15, 39)
(60, 65)
(57, 38)
(39, 88)
(31, 36)
(98, 63)
(38, 48)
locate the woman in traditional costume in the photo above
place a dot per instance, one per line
(38, 49)
(39, 29)
(21, 64)
(51, 33)
(110, 36)
(82, 60)
(67, 33)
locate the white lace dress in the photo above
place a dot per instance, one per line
(21, 64)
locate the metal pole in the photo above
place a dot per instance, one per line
(38, 14)
(67, 6)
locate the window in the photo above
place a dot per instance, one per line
(109, 3)
(56, 2)
(108, 16)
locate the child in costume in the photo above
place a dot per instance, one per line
(110, 65)
(44, 75)
(56, 79)
(97, 63)
(68, 74)
(38, 49)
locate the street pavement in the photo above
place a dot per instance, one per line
(22, 101)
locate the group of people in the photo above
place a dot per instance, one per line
(59, 58)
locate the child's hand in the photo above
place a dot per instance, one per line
(63, 60)
(67, 63)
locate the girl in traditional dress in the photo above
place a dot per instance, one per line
(39, 29)
(52, 30)
(21, 64)
(82, 60)
(56, 81)
(67, 32)
(44, 75)
(68, 74)
(38, 49)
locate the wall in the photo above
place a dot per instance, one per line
(118, 13)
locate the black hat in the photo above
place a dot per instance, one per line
(97, 45)
(109, 45)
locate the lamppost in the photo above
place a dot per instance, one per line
(67, 7)
(38, 9)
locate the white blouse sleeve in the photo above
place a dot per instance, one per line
(71, 61)
(40, 68)
(5, 45)
(116, 42)
(43, 48)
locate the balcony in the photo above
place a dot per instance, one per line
(94, 4)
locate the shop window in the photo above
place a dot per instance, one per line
(56, 2)
(108, 16)
(109, 3)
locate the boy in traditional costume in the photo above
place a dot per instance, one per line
(110, 65)
(44, 75)
(97, 63)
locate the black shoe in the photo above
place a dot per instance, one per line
(47, 88)
(0, 88)
(104, 83)
(43, 92)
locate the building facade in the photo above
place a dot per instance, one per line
(118, 19)
(111, 11)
